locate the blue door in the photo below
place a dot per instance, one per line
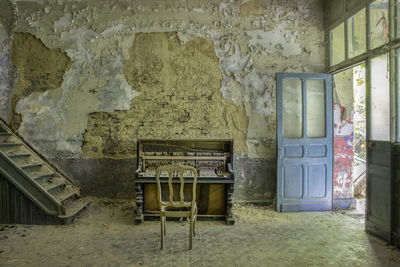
(304, 133)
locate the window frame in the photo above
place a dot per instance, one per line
(391, 47)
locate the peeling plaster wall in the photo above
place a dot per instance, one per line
(38, 69)
(179, 97)
(343, 117)
(349, 133)
(252, 41)
(5, 73)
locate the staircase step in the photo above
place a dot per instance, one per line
(66, 194)
(55, 183)
(72, 210)
(38, 177)
(5, 147)
(4, 136)
(10, 144)
(33, 166)
(19, 158)
(18, 155)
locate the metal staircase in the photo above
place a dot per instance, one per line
(27, 179)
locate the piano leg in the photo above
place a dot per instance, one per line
(230, 220)
(139, 204)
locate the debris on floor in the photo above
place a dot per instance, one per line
(105, 235)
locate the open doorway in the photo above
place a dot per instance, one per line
(350, 141)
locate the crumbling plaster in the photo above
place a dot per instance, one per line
(179, 98)
(39, 69)
(96, 35)
(6, 79)
(269, 36)
(6, 87)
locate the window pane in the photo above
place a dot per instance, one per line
(315, 108)
(337, 44)
(379, 23)
(380, 99)
(356, 31)
(292, 108)
(398, 94)
(397, 23)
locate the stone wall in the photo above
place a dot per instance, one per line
(162, 69)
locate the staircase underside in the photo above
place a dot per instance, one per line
(32, 191)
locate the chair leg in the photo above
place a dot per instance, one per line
(194, 226)
(162, 231)
(191, 233)
(165, 226)
(194, 221)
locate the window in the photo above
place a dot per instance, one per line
(356, 34)
(397, 14)
(367, 32)
(315, 108)
(292, 108)
(337, 45)
(380, 99)
(379, 23)
(398, 93)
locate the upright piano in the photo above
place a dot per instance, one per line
(213, 159)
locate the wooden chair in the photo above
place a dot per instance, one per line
(191, 206)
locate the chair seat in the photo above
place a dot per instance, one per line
(176, 214)
(176, 204)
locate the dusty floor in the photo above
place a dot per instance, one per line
(104, 235)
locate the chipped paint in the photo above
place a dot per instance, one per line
(343, 137)
(349, 124)
(251, 7)
(343, 167)
(5, 73)
(39, 69)
(279, 39)
(341, 125)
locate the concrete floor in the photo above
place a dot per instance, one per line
(104, 235)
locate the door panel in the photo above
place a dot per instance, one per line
(304, 132)
(294, 151)
(395, 237)
(378, 189)
(317, 151)
(293, 183)
(317, 181)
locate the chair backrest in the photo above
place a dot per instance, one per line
(180, 170)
